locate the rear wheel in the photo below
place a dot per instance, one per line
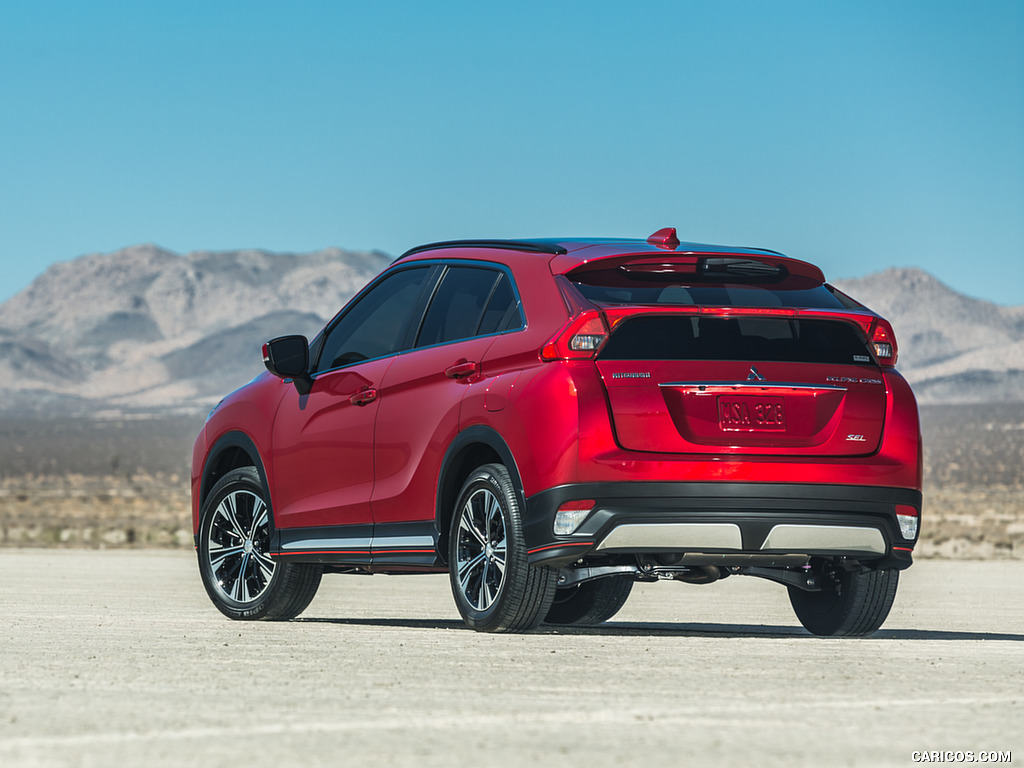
(591, 602)
(495, 587)
(234, 536)
(852, 604)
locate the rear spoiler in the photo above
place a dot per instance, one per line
(752, 267)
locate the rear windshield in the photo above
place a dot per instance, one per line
(728, 295)
(687, 337)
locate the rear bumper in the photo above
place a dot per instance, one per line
(725, 523)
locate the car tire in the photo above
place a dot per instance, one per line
(234, 537)
(853, 603)
(589, 603)
(495, 587)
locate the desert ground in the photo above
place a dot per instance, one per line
(118, 658)
(113, 655)
(119, 481)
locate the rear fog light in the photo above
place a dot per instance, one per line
(908, 517)
(571, 514)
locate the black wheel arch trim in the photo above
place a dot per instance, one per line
(443, 505)
(235, 440)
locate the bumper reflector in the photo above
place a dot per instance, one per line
(907, 517)
(570, 515)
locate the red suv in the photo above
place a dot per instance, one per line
(550, 421)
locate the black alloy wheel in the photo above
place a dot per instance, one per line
(242, 580)
(495, 587)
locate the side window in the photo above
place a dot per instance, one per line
(502, 311)
(376, 325)
(458, 305)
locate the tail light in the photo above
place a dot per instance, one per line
(883, 340)
(580, 339)
(908, 518)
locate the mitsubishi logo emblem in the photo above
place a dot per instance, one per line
(754, 375)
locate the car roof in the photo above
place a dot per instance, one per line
(605, 246)
(568, 254)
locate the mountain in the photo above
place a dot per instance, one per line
(952, 348)
(144, 328)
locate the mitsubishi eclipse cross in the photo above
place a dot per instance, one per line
(551, 421)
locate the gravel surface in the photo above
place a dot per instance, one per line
(118, 658)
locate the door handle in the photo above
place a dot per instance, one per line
(461, 369)
(363, 397)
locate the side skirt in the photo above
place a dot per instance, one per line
(381, 548)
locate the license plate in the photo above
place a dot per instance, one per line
(749, 413)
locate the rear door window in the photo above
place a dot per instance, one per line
(502, 312)
(470, 301)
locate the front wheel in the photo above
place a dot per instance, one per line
(234, 536)
(852, 604)
(495, 587)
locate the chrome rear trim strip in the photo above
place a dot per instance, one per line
(749, 385)
(800, 538)
(674, 536)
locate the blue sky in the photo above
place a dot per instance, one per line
(854, 135)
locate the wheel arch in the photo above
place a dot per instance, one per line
(233, 450)
(472, 448)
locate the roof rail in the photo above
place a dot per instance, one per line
(509, 245)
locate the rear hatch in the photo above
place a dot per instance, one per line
(683, 383)
(751, 355)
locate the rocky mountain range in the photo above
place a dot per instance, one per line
(952, 348)
(147, 329)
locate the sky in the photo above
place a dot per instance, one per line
(855, 135)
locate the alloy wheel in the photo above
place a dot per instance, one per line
(238, 538)
(482, 549)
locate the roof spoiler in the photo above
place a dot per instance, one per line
(748, 267)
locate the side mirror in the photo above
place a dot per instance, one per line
(288, 358)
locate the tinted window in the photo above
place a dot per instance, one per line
(685, 337)
(458, 305)
(726, 295)
(502, 311)
(376, 325)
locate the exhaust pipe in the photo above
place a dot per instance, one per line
(669, 567)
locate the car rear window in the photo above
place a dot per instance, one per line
(688, 337)
(717, 295)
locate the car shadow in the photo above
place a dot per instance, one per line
(666, 629)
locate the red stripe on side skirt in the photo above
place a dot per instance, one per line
(565, 544)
